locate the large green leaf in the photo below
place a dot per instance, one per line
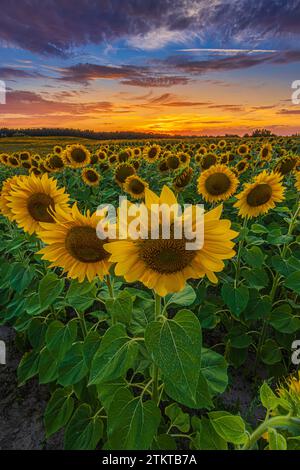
(184, 298)
(81, 295)
(73, 366)
(214, 369)
(293, 282)
(84, 430)
(132, 422)
(59, 410)
(120, 308)
(116, 354)
(28, 367)
(50, 288)
(236, 298)
(229, 427)
(59, 337)
(283, 320)
(175, 347)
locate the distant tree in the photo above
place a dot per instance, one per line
(262, 133)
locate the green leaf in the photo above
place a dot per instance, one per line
(214, 369)
(73, 366)
(106, 391)
(120, 308)
(268, 398)
(59, 337)
(116, 354)
(132, 423)
(81, 295)
(163, 442)
(28, 367)
(207, 438)
(236, 298)
(270, 352)
(184, 298)
(50, 288)
(276, 440)
(20, 277)
(175, 347)
(90, 346)
(256, 278)
(178, 418)
(254, 257)
(84, 430)
(293, 282)
(48, 366)
(36, 333)
(58, 411)
(283, 320)
(229, 427)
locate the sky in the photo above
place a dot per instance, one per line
(181, 67)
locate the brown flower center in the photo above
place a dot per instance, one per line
(208, 161)
(136, 186)
(259, 195)
(83, 244)
(91, 176)
(166, 256)
(78, 155)
(38, 206)
(217, 184)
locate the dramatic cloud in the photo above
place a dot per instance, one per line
(57, 26)
(8, 73)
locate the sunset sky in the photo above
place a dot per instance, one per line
(173, 66)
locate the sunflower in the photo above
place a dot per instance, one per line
(34, 199)
(212, 147)
(73, 245)
(102, 155)
(202, 150)
(208, 160)
(162, 166)
(218, 183)
(13, 161)
(122, 171)
(223, 158)
(260, 196)
(151, 154)
(184, 158)
(7, 187)
(4, 158)
(90, 176)
(287, 164)
(266, 152)
(24, 156)
(94, 159)
(297, 184)
(173, 162)
(136, 152)
(123, 156)
(112, 159)
(289, 392)
(135, 186)
(183, 179)
(27, 164)
(241, 166)
(243, 150)
(222, 144)
(77, 156)
(165, 264)
(136, 164)
(57, 149)
(55, 162)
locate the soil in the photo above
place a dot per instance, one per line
(21, 408)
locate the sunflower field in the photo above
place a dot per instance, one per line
(142, 342)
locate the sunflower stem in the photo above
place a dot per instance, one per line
(276, 421)
(239, 256)
(155, 393)
(111, 293)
